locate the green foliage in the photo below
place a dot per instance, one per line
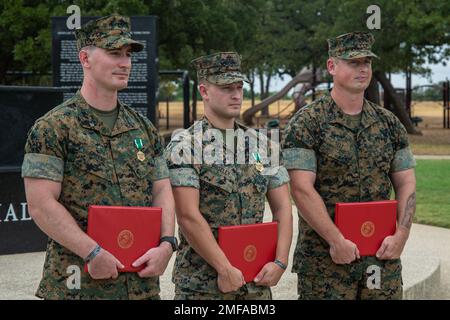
(168, 90)
(433, 93)
(273, 36)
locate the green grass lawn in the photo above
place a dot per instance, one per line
(433, 192)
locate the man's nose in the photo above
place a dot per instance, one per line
(236, 94)
(125, 62)
(364, 67)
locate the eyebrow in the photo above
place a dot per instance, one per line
(119, 50)
(361, 61)
(231, 86)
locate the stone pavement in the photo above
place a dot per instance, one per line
(426, 263)
(432, 157)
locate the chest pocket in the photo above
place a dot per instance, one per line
(88, 156)
(142, 169)
(93, 161)
(335, 155)
(383, 155)
(218, 178)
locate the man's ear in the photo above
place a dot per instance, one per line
(331, 66)
(83, 55)
(203, 89)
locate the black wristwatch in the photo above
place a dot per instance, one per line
(172, 240)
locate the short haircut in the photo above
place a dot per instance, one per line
(89, 49)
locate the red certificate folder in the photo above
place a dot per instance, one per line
(249, 247)
(366, 223)
(126, 232)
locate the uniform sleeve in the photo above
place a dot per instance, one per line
(161, 170)
(298, 144)
(178, 156)
(403, 157)
(44, 152)
(279, 178)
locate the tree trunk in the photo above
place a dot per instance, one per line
(4, 65)
(313, 83)
(372, 93)
(261, 84)
(251, 77)
(267, 92)
(263, 93)
(194, 101)
(265, 111)
(397, 107)
(408, 91)
(300, 99)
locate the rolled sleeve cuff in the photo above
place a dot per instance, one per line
(161, 170)
(280, 178)
(403, 160)
(43, 166)
(184, 177)
(300, 159)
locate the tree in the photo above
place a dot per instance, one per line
(275, 37)
(411, 33)
(187, 29)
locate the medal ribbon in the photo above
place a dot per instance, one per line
(138, 143)
(256, 156)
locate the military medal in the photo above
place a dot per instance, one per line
(141, 156)
(139, 145)
(259, 166)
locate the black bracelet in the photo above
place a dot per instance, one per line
(280, 264)
(93, 254)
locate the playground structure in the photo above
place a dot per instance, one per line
(392, 99)
(281, 108)
(307, 77)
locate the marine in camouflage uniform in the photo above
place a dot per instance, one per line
(229, 194)
(95, 165)
(353, 158)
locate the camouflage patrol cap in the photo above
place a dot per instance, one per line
(110, 32)
(219, 68)
(351, 45)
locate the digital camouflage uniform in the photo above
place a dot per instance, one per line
(95, 166)
(352, 164)
(230, 194)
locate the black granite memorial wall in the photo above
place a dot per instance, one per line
(20, 108)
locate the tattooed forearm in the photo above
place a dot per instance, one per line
(410, 210)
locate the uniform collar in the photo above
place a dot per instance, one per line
(89, 120)
(206, 124)
(336, 115)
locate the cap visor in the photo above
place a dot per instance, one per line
(122, 41)
(358, 54)
(227, 78)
